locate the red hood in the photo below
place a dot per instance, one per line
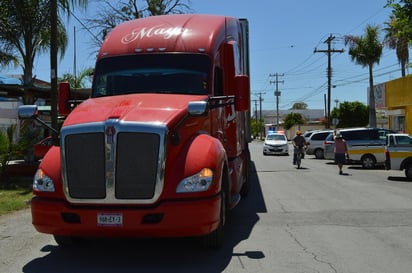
(154, 108)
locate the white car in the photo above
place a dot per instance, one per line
(276, 144)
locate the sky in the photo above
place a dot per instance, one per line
(283, 38)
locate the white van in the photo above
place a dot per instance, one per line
(366, 145)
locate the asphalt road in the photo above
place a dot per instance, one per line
(294, 220)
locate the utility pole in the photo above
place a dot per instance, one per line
(53, 68)
(262, 132)
(277, 95)
(256, 118)
(329, 51)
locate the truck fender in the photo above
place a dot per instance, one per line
(204, 151)
(51, 166)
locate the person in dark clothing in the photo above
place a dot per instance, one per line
(298, 141)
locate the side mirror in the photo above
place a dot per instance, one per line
(242, 93)
(28, 112)
(197, 108)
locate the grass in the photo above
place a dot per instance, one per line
(17, 196)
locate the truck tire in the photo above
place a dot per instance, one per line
(246, 184)
(63, 241)
(215, 239)
(66, 241)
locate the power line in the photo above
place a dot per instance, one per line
(329, 51)
(277, 95)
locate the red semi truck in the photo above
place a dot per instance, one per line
(160, 149)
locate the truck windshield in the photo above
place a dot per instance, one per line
(152, 73)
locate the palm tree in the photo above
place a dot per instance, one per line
(396, 39)
(25, 33)
(54, 33)
(6, 59)
(78, 81)
(366, 51)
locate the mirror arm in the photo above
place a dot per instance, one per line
(46, 125)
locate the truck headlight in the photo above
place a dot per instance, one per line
(42, 182)
(196, 183)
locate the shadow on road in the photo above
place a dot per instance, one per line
(158, 255)
(399, 179)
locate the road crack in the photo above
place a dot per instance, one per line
(306, 250)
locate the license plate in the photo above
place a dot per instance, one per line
(109, 219)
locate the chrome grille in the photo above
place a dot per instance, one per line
(85, 165)
(113, 162)
(136, 167)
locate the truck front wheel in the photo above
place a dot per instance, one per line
(215, 238)
(66, 241)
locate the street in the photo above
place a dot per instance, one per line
(294, 220)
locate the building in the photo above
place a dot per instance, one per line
(314, 119)
(396, 98)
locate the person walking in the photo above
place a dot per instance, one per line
(340, 150)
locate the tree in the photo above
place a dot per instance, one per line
(299, 106)
(396, 39)
(399, 30)
(257, 127)
(351, 114)
(25, 33)
(293, 119)
(8, 151)
(79, 81)
(402, 14)
(366, 51)
(54, 34)
(110, 15)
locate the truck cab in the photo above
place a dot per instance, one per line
(160, 149)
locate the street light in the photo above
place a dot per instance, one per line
(336, 102)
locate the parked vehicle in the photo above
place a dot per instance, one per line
(160, 149)
(276, 144)
(329, 144)
(399, 153)
(316, 143)
(307, 134)
(366, 145)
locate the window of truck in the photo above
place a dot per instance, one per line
(152, 73)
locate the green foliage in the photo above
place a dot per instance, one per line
(366, 51)
(293, 119)
(257, 127)
(399, 31)
(402, 17)
(351, 114)
(6, 152)
(25, 32)
(82, 80)
(299, 106)
(17, 196)
(11, 151)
